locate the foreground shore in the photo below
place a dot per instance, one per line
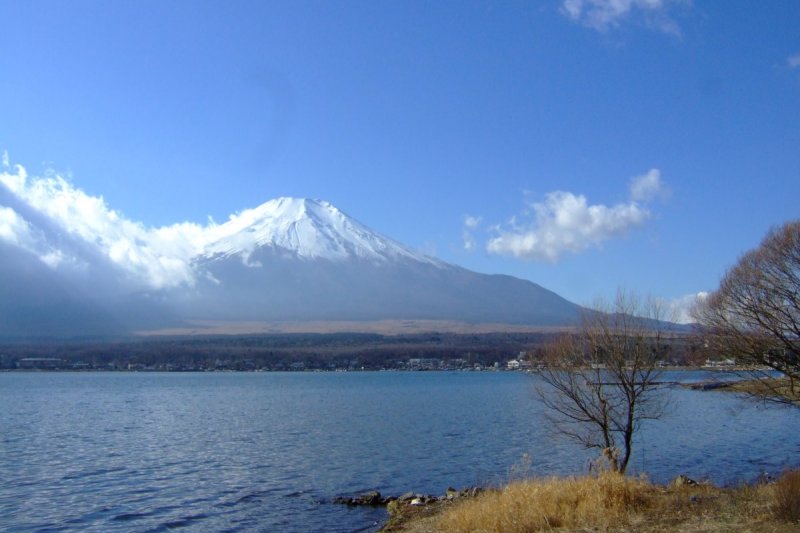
(609, 502)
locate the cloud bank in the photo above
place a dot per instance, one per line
(566, 223)
(603, 15)
(152, 257)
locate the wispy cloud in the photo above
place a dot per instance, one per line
(648, 186)
(603, 15)
(471, 223)
(793, 61)
(680, 309)
(567, 223)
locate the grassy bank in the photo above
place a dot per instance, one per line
(610, 502)
(766, 388)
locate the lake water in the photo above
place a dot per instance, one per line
(269, 451)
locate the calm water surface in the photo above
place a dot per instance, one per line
(268, 452)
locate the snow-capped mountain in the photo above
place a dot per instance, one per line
(88, 270)
(306, 229)
(300, 259)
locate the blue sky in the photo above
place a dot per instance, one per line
(581, 144)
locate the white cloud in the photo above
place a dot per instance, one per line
(566, 223)
(471, 223)
(13, 228)
(603, 15)
(469, 241)
(647, 186)
(155, 257)
(53, 258)
(15, 181)
(6, 162)
(679, 309)
(793, 61)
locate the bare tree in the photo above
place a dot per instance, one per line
(602, 382)
(754, 316)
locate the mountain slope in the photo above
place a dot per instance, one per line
(286, 260)
(289, 289)
(293, 259)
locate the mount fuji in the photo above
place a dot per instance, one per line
(301, 259)
(289, 259)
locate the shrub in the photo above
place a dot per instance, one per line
(787, 496)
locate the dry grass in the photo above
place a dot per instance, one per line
(787, 497)
(610, 502)
(767, 388)
(604, 502)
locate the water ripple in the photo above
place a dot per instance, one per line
(269, 452)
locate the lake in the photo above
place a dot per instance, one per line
(269, 451)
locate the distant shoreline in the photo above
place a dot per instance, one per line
(382, 327)
(722, 385)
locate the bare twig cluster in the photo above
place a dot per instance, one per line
(754, 316)
(602, 382)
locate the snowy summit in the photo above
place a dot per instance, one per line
(305, 228)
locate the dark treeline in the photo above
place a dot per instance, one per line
(306, 351)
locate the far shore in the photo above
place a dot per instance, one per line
(726, 385)
(381, 327)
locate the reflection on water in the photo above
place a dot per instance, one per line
(128, 451)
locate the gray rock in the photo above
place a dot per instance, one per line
(684, 481)
(371, 498)
(407, 497)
